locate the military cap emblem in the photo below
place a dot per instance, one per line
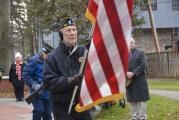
(67, 22)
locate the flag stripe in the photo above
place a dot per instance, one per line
(121, 78)
(85, 94)
(130, 6)
(98, 72)
(124, 17)
(90, 83)
(107, 60)
(117, 31)
(92, 11)
(104, 60)
(110, 45)
(97, 2)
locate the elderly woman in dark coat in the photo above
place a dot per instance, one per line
(15, 77)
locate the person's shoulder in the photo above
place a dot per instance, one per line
(33, 58)
(12, 64)
(140, 51)
(80, 50)
(53, 53)
(55, 50)
(81, 47)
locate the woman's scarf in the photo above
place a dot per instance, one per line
(18, 70)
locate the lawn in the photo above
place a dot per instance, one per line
(164, 84)
(159, 108)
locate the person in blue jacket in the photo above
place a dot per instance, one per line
(33, 77)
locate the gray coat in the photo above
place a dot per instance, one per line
(137, 91)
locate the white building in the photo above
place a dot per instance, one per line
(166, 18)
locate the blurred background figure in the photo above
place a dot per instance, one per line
(137, 91)
(15, 77)
(1, 72)
(33, 77)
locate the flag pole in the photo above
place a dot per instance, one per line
(81, 67)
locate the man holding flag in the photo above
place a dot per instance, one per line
(106, 66)
(61, 70)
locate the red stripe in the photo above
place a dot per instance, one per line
(117, 31)
(105, 61)
(91, 84)
(81, 101)
(130, 6)
(93, 7)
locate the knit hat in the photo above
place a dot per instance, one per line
(18, 55)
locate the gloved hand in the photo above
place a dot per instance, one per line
(75, 80)
(36, 87)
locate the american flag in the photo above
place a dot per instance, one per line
(107, 62)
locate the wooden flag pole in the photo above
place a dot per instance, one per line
(153, 26)
(81, 69)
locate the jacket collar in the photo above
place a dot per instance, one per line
(67, 49)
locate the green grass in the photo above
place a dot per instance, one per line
(164, 84)
(158, 108)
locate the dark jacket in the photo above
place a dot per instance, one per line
(57, 68)
(138, 90)
(13, 78)
(33, 73)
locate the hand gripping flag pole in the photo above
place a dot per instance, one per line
(82, 66)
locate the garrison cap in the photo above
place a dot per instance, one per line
(67, 22)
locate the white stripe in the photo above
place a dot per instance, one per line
(124, 16)
(97, 72)
(122, 81)
(85, 96)
(125, 20)
(97, 2)
(110, 44)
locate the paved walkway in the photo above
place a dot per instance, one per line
(12, 110)
(166, 93)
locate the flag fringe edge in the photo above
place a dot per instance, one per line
(90, 16)
(78, 108)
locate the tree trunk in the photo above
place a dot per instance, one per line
(5, 43)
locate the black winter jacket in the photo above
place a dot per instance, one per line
(13, 76)
(60, 65)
